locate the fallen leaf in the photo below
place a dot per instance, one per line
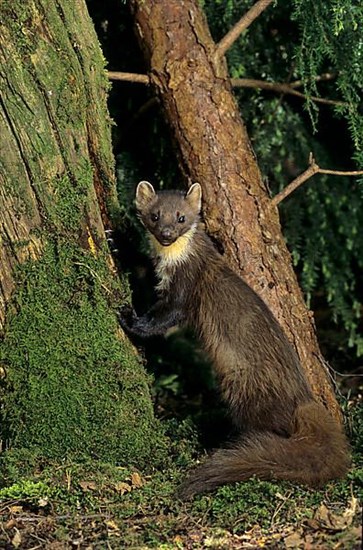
(136, 480)
(351, 510)
(10, 524)
(112, 525)
(294, 540)
(312, 523)
(16, 509)
(335, 522)
(122, 487)
(43, 502)
(88, 485)
(16, 540)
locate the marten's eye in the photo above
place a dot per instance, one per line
(181, 219)
(154, 217)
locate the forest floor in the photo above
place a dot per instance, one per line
(74, 507)
(66, 506)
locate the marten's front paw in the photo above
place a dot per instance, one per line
(126, 316)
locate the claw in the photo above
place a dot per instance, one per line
(110, 240)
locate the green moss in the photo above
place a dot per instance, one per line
(25, 490)
(18, 18)
(66, 199)
(74, 387)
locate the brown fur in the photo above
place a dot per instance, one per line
(285, 433)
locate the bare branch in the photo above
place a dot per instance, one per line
(313, 169)
(341, 172)
(241, 26)
(129, 77)
(320, 78)
(239, 83)
(281, 88)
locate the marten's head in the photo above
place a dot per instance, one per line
(168, 215)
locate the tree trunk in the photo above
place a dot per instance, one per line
(72, 384)
(195, 92)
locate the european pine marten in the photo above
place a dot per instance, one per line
(285, 433)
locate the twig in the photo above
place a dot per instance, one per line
(279, 87)
(241, 26)
(94, 275)
(128, 77)
(240, 83)
(320, 78)
(279, 506)
(31, 519)
(313, 169)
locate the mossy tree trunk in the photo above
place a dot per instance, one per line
(193, 86)
(54, 139)
(72, 384)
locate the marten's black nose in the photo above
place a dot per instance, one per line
(167, 236)
(166, 233)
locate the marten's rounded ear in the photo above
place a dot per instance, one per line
(194, 196)
(144, 194)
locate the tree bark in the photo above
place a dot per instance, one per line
(72, 385)
(194, 89)
(52, 123)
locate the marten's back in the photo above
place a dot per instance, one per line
(251, 354)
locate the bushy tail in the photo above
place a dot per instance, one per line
(315, 453)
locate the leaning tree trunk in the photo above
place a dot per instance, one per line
(71, 383)
(193, 85)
